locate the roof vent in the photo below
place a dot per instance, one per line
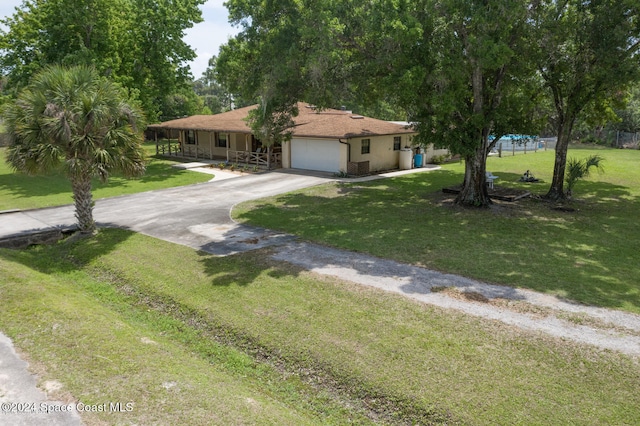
(357, 117)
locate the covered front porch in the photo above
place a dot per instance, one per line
(230, 147)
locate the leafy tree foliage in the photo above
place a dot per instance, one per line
(630, 114)
(135, 42)
(182, 104)
(460, 72)
(465, 71)
(213, 93)
(288, 50)
(73, 119)
(587, 52)
(272, 123)
(453, 66)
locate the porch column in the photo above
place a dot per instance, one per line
(182, 140)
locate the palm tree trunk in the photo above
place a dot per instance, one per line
(83, 199)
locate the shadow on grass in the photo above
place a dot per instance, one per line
(245, 269)
(241, 256)
(22, 185)
(586, 255)
(159, 169)
(64, 256)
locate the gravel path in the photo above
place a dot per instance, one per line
(529, 310)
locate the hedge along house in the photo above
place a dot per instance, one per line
(327, 140)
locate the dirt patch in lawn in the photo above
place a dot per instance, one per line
(501, 193)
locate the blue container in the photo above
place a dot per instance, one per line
(417, 160)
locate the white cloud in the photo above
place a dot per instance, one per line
(207, 37)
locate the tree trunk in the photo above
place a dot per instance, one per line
(269, 157)
(556, 191)
(83, 199)
(474, 191)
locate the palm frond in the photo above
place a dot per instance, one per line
(580, 169)
(75, 119)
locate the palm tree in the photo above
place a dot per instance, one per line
(580, 169)
(73, 119)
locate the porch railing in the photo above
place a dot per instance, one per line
(260, 159)
(256, 158)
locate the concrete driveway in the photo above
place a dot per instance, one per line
(196, 216)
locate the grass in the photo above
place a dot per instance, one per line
(245, 340)
(588, 255)
(19, 191)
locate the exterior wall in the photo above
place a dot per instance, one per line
(286, 154)
(344, 156)
(205, 146)
(239, 142)
(431, 152)
(382, 155)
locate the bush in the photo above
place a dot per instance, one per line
(439, 159)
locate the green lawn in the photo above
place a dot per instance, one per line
(588, 255)
(190, 338)
(193, 339)
(19, 191)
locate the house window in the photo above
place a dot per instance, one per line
(221, 141)
(366, 146)
(191, 137)
(397, 143)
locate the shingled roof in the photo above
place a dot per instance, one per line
(310, 123)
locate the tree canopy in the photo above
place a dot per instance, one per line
(459, 71)
(588, 52)
(215, 95)
(453, 66)
(465, 71)
(74, 120)
(137, 43)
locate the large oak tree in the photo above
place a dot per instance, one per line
(458, 67)
(454, 66)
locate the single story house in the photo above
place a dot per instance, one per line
(329, 140)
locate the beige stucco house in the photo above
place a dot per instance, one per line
(328, 140)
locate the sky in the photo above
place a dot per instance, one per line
(205, 38)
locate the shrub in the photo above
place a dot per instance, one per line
(580, 169)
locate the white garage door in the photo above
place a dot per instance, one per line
(315, 154)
